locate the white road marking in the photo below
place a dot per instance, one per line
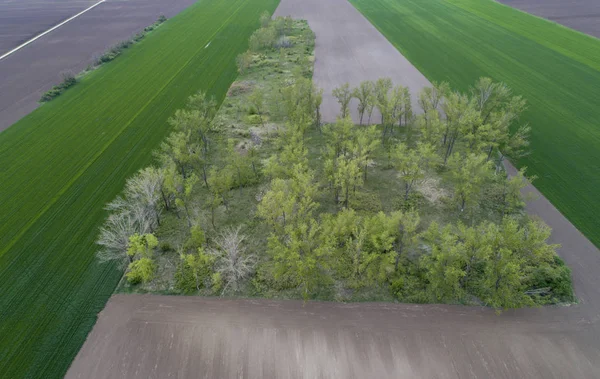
(49, 30)
(207, 45)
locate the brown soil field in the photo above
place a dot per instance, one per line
(582, 15)
(146, 336)
(31, 71)
(21, 20)
(348, 48)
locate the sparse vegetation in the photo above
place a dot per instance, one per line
(416, 209)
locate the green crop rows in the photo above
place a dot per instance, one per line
(61, 164)
(556, 69)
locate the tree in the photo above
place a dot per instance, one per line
(237, 164)
(430, 98)
(232, 261)
(364, 94)
(277, 205)
(178, 150)
(194, 271)
(444, 265)
(340, 135)
(244, 60)
(381, 91)
(347, 176)
(364, 147)
(141, 271)
(317, 101)
(405, 225)
(397, 100)
(265, 19)
(511, 199)
(343, 94)
(460, 114)
(468, 174)
(292, 152)
(220, 182)
(145, 188)
(301, 258)
(140, 251)
(184, 195)
(257, 99)
(413, 164)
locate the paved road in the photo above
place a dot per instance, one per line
(582, 15)
(31, 71)
(188, 337)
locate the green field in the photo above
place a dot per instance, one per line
(61, 164)
(556, 69)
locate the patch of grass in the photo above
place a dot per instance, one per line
(62, 163)
(556, 69)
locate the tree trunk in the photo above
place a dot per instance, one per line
(204, 176)
(165, 199)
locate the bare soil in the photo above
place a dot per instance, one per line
(31, 71)
(582, 15)
(145, 336)
(21, 20)
(349, 49)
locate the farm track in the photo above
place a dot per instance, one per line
(63, 162)
(140, 336)
(26, 75)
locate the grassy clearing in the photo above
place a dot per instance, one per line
(63, 162)
(556, 69)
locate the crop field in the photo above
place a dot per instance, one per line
(61, 164)
(556, 69)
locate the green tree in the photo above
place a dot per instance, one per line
(364, 147)
(194, 271)
(343, 94)
(244, 61)
(221, 181)
(178, 150)
(301, 258)
(468, 174)
(347, 176)
(265, 19)
(444, 265)
(413, 164)
(364, 94)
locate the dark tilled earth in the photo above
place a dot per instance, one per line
(582, 15)
(146, 336)
(21, 20)
(31, 71)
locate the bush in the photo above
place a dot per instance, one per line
(283, 42)
(69, 80)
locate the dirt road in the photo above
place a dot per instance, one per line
(582, 15)
(189, 337)
(33, 70)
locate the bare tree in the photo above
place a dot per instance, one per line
(231, 259)
(114, 236)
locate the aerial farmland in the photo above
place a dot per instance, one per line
(333, 188)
